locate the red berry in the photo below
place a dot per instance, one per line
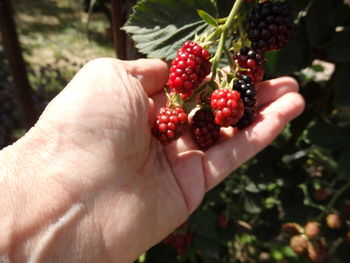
(321, 194)
(252, 63)
(299, 244)
(227, 106)
(169, 124)
(205, 132)
(317, 252)
(333, 221)
(223, 221)
(189, 68)
(312, 229)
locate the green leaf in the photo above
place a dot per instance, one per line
(250, 203)
(344, 164)
(328, 136)
(341, 85)
(160, 27)
(207, 18)
(208, 249)
(337, 48)
(320, 26)
(204, 222)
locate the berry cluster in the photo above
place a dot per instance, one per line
(308, 239)
(270, 25)
(228, 99)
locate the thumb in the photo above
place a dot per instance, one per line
(152, 73)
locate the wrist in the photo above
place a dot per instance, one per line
(32, 199)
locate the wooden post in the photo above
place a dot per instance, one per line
(119, 36)
(16, 62)
(124, 46)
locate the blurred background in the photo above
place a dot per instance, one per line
(294, 193)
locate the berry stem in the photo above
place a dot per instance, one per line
(226, 27)
(333, 200)
(229, 58)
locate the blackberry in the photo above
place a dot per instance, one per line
(312, 229)
(270, 25)
(170, 124)
(227, 106)
(252, 61)
(247, 90)
(299, 244)
(189, 68)
(205, 132)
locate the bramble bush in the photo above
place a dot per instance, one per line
(291, 203)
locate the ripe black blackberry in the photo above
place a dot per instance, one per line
(252, 61)
(270, 25)
(246, 88)
(205, 132)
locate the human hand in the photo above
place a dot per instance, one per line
(106, 190)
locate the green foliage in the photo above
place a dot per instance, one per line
(160, 27)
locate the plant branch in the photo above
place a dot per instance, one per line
(334, 199)
(226, 27)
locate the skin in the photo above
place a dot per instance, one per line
(89, 183)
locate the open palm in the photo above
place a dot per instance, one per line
(97, 131)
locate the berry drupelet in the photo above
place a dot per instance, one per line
(252, 63)
(270, 25)
(247, 91)
(205, 132)
(189, 68)
(169, 124)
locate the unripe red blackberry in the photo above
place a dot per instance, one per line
(223, 221)
(312, 229)
(317, 252)
(247, 91)
(227, 106)
(270, 25)
(299, 244)
(169, 124)
(205, 132)
(321, 194)
(334, 221)
(189, 68)
(252, 61)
